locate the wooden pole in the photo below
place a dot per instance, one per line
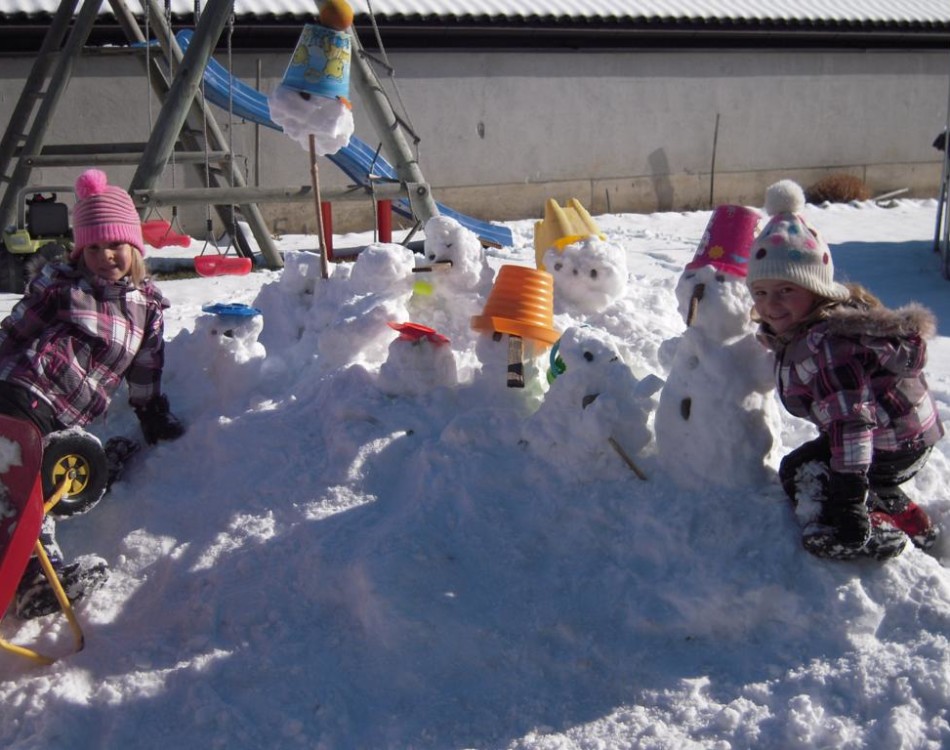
(712, 166)
(315, 179)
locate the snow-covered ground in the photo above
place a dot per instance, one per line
(368, 544)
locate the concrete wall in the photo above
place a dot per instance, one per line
(501, 132)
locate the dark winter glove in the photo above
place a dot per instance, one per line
(157, 422)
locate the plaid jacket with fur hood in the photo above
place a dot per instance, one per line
(73, 337)
(857, 373)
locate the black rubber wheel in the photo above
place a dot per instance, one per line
(82, 459)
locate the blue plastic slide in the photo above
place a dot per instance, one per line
(357, 159)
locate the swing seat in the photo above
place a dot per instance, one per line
(159, 233)
(21, 499)
(222, 265)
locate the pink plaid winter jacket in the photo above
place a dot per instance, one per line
(73, 337)
(857, 374)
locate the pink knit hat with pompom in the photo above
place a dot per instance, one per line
(104, 214)
(789, 249)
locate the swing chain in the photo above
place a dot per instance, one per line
(170, 231)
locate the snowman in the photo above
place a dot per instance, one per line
(515, 330)
(290, 298)
(717, 420)
(419, 360)
(225, 344)
(300, 305)
(452, 281)
(594, 418)
(376, 292)
(592, 281)
(457, 250)
(491, 371)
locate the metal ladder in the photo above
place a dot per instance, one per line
(26, 131)
(183, 119)
(22, 146)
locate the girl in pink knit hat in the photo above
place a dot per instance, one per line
(82, 327)
(854, 368)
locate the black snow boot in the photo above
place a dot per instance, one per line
(35, 597)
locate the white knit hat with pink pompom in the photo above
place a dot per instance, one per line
(104, 214)
(791, 250)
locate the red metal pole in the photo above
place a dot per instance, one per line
(384, 220)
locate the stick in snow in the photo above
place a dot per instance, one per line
(626, 458)
(698, 293)
(515, 362)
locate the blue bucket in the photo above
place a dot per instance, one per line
(321, 63)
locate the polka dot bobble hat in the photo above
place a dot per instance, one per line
(104, 214)
(791, 250)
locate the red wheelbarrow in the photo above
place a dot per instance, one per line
(22, 508)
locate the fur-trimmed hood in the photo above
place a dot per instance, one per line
(52, 253)
(853, 319)
(910, 320)
(839, 332)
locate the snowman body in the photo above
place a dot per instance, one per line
(456, 276)
(596, 401)
(415, 366)
(376, 293)
(229, 353)
(717, 418)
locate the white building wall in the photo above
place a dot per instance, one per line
(621, 131)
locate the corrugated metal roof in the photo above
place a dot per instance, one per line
(871, 12)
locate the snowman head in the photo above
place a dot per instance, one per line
(448, 241)
(383, 267)
(301, 273)
(714, 303)
(589, 364)
(588, 275)
(233, 337)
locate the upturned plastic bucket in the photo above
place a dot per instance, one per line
(562, 226)
(728, 239)
(521, 303)
(320, 64)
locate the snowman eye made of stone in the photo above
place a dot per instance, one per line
(721, 278)
(593, 273)
(589, 356)
(558, 266)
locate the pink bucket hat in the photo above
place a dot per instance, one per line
(103, 214)
(728, 238)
